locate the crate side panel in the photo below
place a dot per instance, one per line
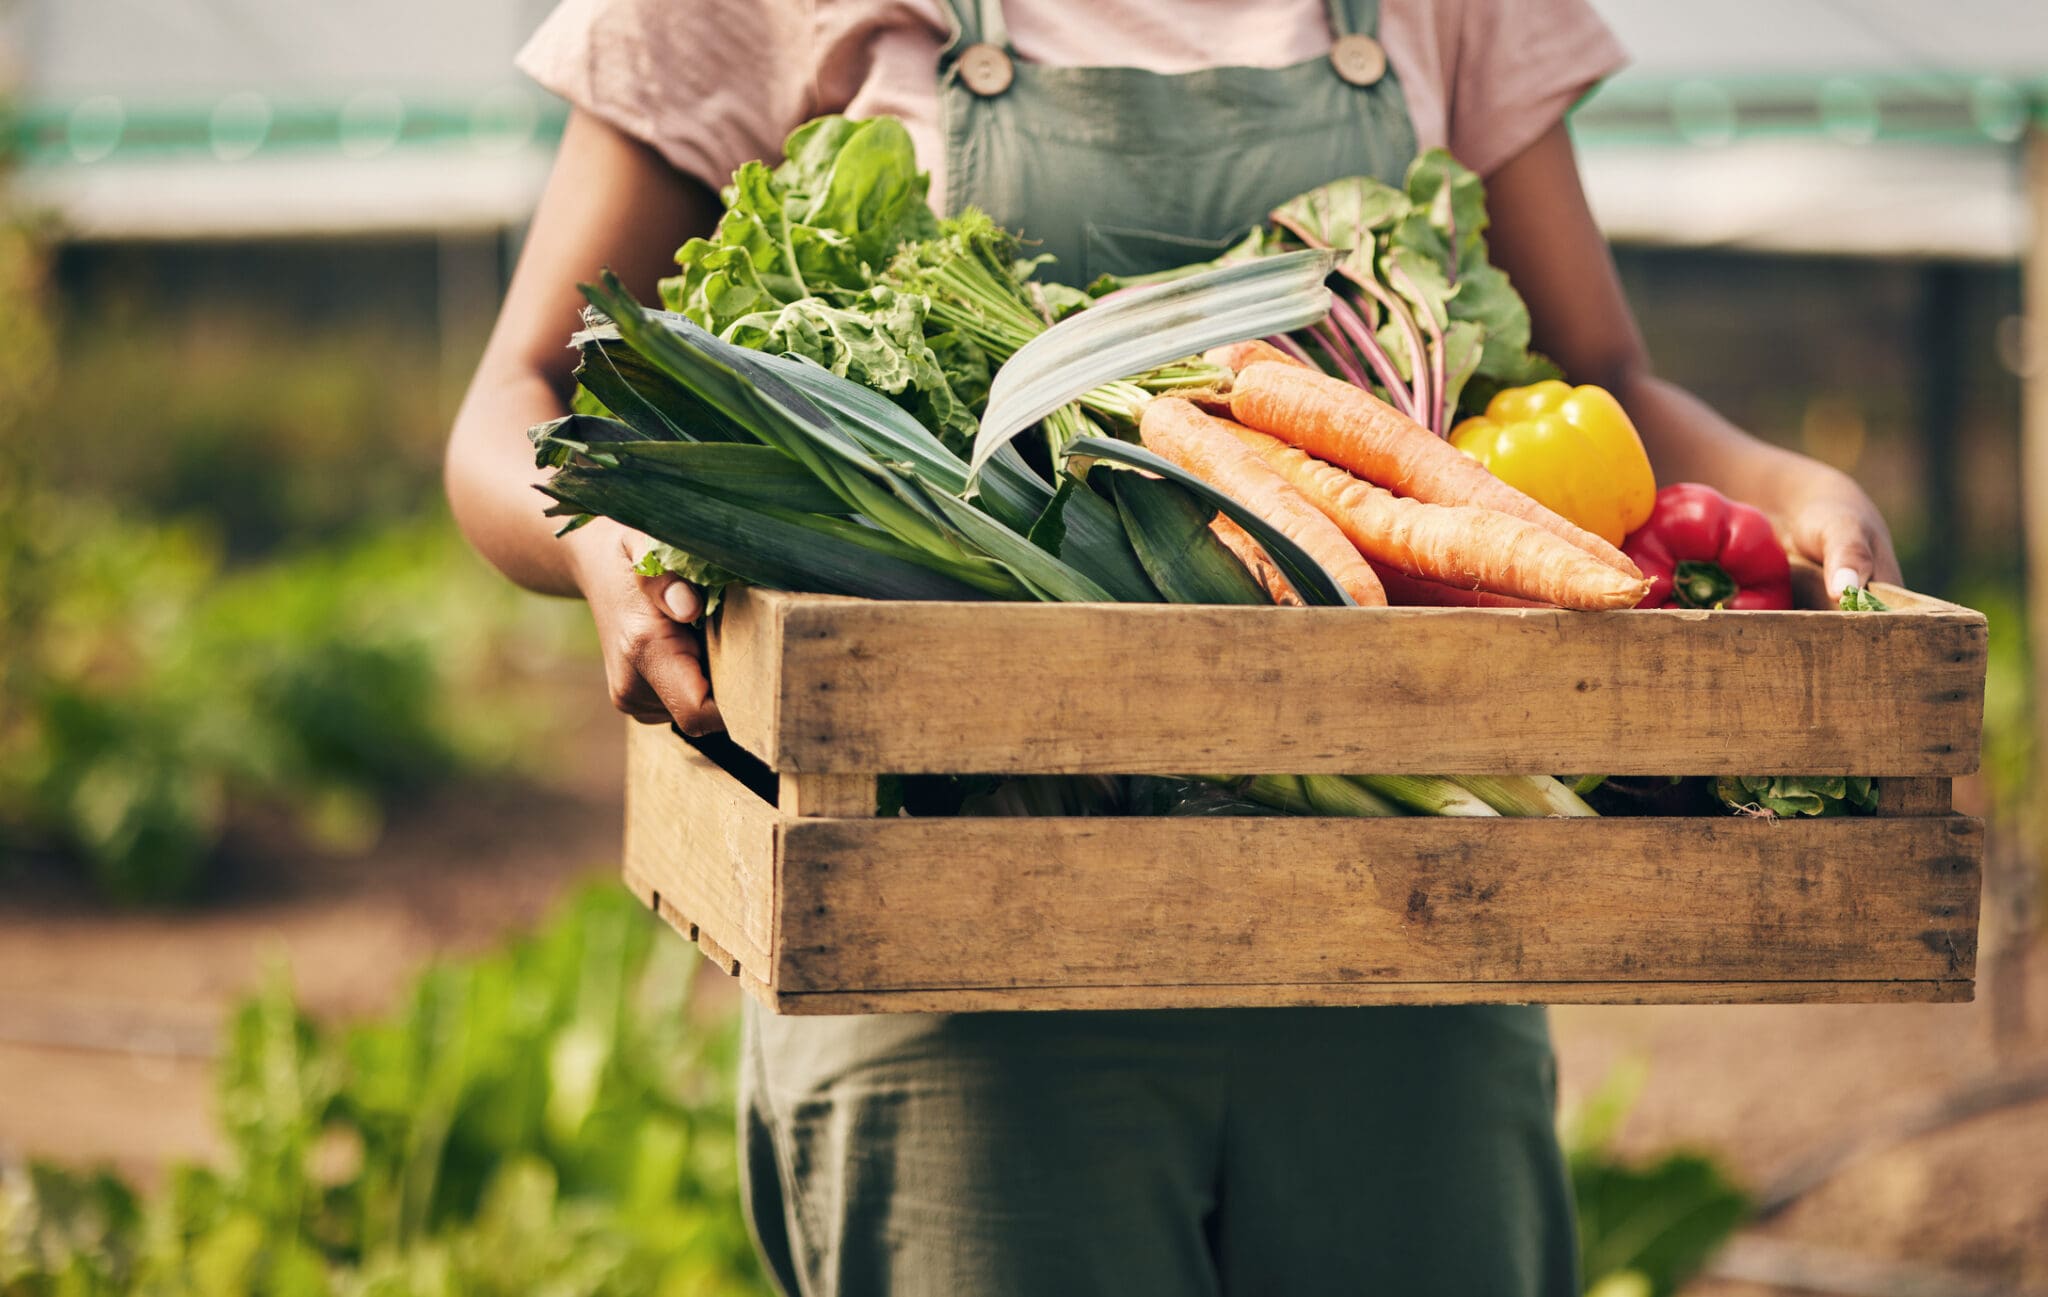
(1159, 689)
(702, 841)
(908, 904)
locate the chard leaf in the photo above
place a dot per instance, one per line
(1307, 576)
(1128, 335)
(1463, 343)
(1393, 339)
(1450, 198)
(1419, 279)
(1486, 298)
(1345, 214)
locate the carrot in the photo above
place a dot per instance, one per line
(1256, 561)
(1202, 445)
(1350, 427)
(1405, 591)
(1236, 355)
(1453, 544)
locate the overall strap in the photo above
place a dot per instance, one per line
(975, 22)
(1355, 52)
(1347, 17)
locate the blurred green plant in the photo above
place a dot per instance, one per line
(279, 435)
(2008, 702)
(554, 1119)
(547, 1120)
(1646, 1226)
(152, 689)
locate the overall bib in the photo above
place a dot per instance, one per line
(1182, 1153)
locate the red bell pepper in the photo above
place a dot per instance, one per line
(1702, 550)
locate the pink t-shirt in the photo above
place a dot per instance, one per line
(714, 83)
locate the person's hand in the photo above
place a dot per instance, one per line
(1829, 520)
(654, 659)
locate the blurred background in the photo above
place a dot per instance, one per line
(314, 972)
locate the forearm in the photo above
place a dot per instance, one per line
(611, 201)
(1688, 441)
(491, 479)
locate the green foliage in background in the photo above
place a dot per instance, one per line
(153, 689)
(2008, 709)
(1647, 1225)
(280, 436)
(555, 1119)
(547, 1120)
(227, 584)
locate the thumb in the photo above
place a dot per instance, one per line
(676, 598)
(1847, 556)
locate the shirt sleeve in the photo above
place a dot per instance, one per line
(1519, 66)
(710, 84)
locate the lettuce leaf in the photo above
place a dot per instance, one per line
(795, 263)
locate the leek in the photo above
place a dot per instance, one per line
(1535, 796)
(1425, 794)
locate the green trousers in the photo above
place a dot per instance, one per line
(1404, 1151)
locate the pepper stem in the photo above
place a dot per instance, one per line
(1699, 583)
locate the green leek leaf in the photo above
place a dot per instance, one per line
(639, 394)
(755, 391)
(1044, 573)
(1169, 528)
(1308, 577)
(1128, 335)
(766, 545)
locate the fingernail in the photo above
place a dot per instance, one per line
(682, 605)
(1843, 578)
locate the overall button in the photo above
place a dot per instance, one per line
(986, 70)
(1357, 57)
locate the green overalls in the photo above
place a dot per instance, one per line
(1318, 1152)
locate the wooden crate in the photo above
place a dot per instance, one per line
(790, 882)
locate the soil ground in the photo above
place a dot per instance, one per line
(107, 1022)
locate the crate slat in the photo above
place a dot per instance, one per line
(1266, 995)
(977, 903)
(819, 684)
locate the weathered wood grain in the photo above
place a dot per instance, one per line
(818, 684)
(1909, 797)
(702, 843)
(745, 648)
(927, 904)
(843, 796)
(1281, 995)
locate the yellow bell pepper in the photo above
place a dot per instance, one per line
(1571, 448)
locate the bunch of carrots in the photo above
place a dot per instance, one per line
(1393, 512)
